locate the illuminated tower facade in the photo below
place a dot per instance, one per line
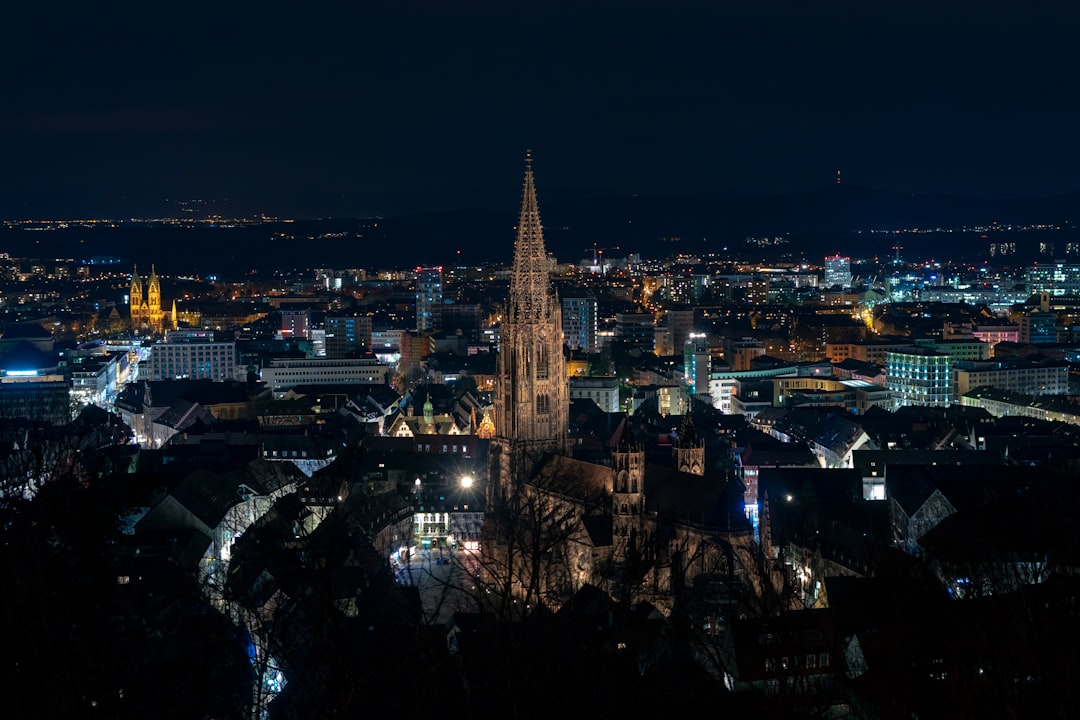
(135, 295)
(153, 295)
(532, 391)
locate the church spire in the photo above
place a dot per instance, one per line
(136, 283)
(532, 389)
(530, 286)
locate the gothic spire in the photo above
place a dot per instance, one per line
(530, 287)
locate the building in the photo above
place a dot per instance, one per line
(1038, 328)
(347, 334)
(429, 299)
(285, 373)
(604, 391)
(958, 350)
(295, 324)
(919, 376)
(193, 354)
(989, 334)
(592, 522)
(462, 318)
(1056, 278)
(854, 395)
(697, 365)
(580, 323)
(532, 390)
(1014, 375)
(837, 271)
(1001, 403)
(145, 309)
(96, 379)
(738, 353)
(873, 351)
(636, 331)
(680, 328)
(32, 385)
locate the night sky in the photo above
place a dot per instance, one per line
(362, 108)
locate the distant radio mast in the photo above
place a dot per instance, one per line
(837, 177)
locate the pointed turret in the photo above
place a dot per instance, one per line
(689, 448)
(530, 285)
(153, 291)
(135, 294)
(136, 310)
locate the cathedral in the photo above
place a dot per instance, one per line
(145, 310)
(555, 523)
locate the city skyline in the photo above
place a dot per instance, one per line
(392, 109)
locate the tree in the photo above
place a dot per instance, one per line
(100, 631)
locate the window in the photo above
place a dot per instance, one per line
(541, 362)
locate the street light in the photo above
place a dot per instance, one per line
(466, 481)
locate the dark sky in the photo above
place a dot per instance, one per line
(363, 107)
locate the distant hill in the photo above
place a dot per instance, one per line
(815, 222)
(826, 220)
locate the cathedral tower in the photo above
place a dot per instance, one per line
(135, 298)
(532, 390)
(153, 292)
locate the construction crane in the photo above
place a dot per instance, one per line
(598, 255)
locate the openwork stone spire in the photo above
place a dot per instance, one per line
(532, 392)
(530, 287)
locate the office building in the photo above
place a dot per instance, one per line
(1038, 328)
(580, 323)
(1017, 376)
(919, 376)
(837, 271)
(284, 373)
(1056, 278)
(429, 299)
(347, 334)
(635, 331)
(193, 354)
